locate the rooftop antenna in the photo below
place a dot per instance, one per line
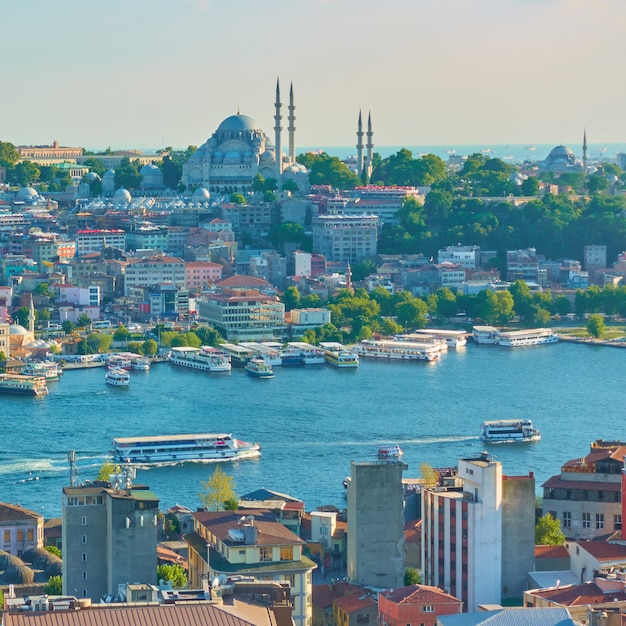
(71, 457)
(129, 474)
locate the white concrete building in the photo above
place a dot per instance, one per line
(467, 256)
(88, 241)
(154, 270)
(345, 238)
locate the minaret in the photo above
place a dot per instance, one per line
(292, 127)
(31, 316)
(359, 147)
(349, 277)
(585, 151)
(370, 145)
(277, 130)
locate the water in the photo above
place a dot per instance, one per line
(313, 421)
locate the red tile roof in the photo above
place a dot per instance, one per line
(354, 602)
(556, 482)
(576, 595)
(604, 551)
(551, 552)
(419, 594)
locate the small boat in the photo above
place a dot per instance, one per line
(390, 452)
(508, 431)
(23, 385)
(117, 377)
(48, 369)
(119, 361)
(164, 449)
(139, 363)
(258, 368)
(338, 355)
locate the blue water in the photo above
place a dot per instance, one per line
(313, 421)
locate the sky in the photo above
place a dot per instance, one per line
(156, 73)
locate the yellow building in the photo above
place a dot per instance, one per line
(250, 543)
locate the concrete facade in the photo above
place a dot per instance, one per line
(376, 523)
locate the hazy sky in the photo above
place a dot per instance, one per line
(151, 73)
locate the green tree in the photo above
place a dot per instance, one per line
(68, 327)
(430, 478)
(172, 172)
(9, 154)
(21, 316)
(43, 315)
(127, 174)
(291, 298)
(217, 490)
(270, 196)
(411, 577)
(530, 186)
(596, 326)
(95, 165)
(258, 183)
(548, 532)
(54, 586)
(238, 198)
(136, 347)
(291, 186)
(149, 347)
(121, 333)
(189, 339)
(107, 469)
(327, 170)
(104, 343)
(54, 550)
(174, 573)
(25, 173)
(83, 320)
(208, 336)
(288, 232)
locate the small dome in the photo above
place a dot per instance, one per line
(16, 329)
(92, 176)
(26, 192)
(109, 174)
(19, 575)
(561, 152)
(149, 168)
(267, 155)
(122, 195)
(201, 193)
(237, 123)
(232, 156)
(9, 560)
(36, 555)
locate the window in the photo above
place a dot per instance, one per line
(20, 535)
(567, 519)
(599, 521)
(362, 619)
(30, 535)
(84, 520)
(84, 556)
(7, 536)
(586, 520)
(429, 608)
(265, 554)
(286, 553)
(84, 575)
(617, 522)
(84, 538)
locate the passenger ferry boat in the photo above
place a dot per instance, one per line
(119, 361)
(338, 355)
(205, 358)
(401, 350)
(117, 377)
(288, 355)
(486, 334)
(268, 353)
(239, 355)
(529, 337)
(390, 452)
(23, 385)
(508, 431)
(140, 363)
(259, 368)
(311, 355)
(164, 449)
(453, 338)
(48, 369)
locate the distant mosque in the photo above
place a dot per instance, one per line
(561, 160)
(239, 150)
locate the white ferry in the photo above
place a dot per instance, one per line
(117, 377)
(338, 355)
(259, 368)
(390, 452)
(23, 385)
(529, 337)
(453, 338)
(140, 363)
(50, 370)
(311, 355)
(402, 350)
(206, 358)
(288, 354)
(486, 334)
(178, 448)
(508, 431)
(268, 353)
(119, 361)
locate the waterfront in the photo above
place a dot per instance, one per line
(312, 421)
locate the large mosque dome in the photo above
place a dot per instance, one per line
(238, 123)
(561, 159)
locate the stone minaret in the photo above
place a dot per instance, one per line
(31, 316)
(585, 151)
(277, 130)
(369, 145)
(359, 147)
(292, 127)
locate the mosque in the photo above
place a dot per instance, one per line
(239, 150)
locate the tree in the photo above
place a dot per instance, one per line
(83, 320)
(596, 326)
(530, 186)
(291, 186)
(54, 586)
(430, 477)
(411, 577)
(149, 347)
(54, 550)
(104, 342)
(127, 174)
(238, 198)
(217, 490)
(68, 327)
(9, 154)
(291, 298)
(174, 573)
(107, 469)
(121, 333)
(548, 532)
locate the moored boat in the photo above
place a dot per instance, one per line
(338, 355)
(311, 355)
(119, 361)
(165, 449)
(23, 385)
(117, 377)
(528, 337)
(205, 358)
(48, 369)
(140, 363)
(400, 350)
(508, 431)
(258, 368)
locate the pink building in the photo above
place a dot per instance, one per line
(199, 274)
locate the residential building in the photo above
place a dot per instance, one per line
(466, 256)
(586, 496)
(345, 238)
(302, 320)
(594, 261)
(5, 344)
(415, 604)
(355, 609)
(325, 596)
(467, 521)
(93, 240)
(109, 537)
(20, 529)
(376, 523)
(269, 266)
(146, 236)
(522, 265)
(201, 274)
(288, 510)
(500, 616)
(154, 270)
(81, 296)
(249, 542)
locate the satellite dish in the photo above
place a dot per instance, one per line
(223, 579)
(216, 583)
